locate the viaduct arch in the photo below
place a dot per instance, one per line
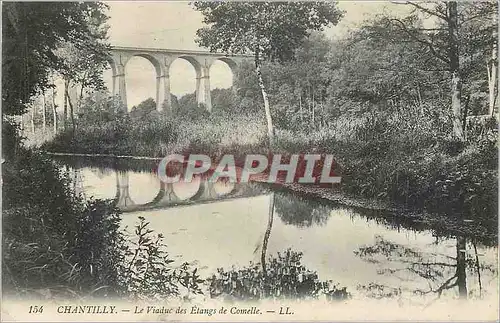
(161, 59)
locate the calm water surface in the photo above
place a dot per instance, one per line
(223, 225)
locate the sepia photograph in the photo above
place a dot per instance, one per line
(249, 161)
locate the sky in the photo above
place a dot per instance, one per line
(173, 24)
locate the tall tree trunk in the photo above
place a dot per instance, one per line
(21, 124)
(44, 115)
(493, 69)
(466, 112)
(492, 79)
(270, 129)
(267, 234)
(33, 114)
(71, 111)
(419, 96)
(65, 108)
(80, 98)
(461, 272)
(54, 110)
(456, 80)
(478, 268)
(309, 109)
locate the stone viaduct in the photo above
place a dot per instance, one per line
(161, 59)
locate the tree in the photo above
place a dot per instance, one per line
(83, 63)
(297, 88)
(271, 30)
(445, 41)
(380, 77)
(479, 49)
(143, 108)
(31, 34)
(99, 108)
(54, 106)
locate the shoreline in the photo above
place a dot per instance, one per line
(439, 223)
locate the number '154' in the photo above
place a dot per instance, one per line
(36, 309)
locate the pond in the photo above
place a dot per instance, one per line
(224, 225)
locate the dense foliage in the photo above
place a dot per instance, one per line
(285, 278)
(147, 272)
(31, 32)
(61, 244)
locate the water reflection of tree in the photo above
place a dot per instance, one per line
(295, 211)
(441, 272)
(109, 164)
(101, 172)
(301, 212)
(268, 233)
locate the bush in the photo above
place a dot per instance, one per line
(52, 239)
(11, 140)
(285, 278)
(146, 271)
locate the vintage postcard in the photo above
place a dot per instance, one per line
(251, 161)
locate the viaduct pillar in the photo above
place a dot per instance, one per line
(203, 83)
(119, 85)
(163, 95)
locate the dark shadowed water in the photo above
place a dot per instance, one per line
(224, 224)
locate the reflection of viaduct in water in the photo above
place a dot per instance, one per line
(168, 195)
